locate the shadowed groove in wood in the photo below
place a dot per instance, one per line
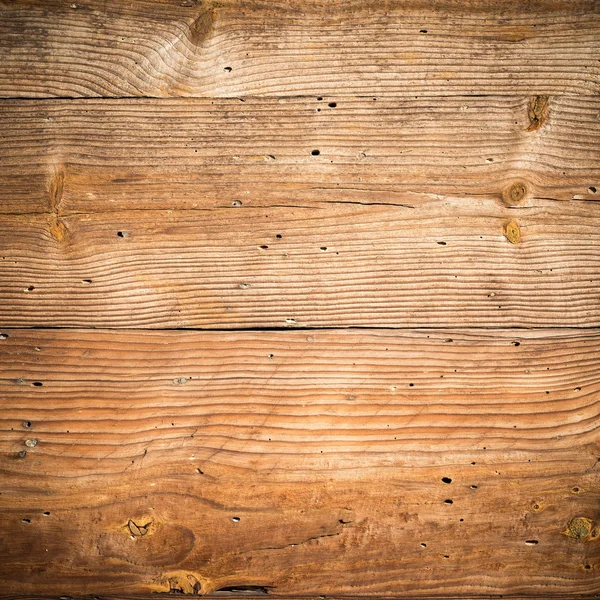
(230, 48)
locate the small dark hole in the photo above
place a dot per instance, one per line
(235, 519)
(473, 487)
(516, 343)
(320, 98)
(446, 556)
(37, 384)
(26, 520)
(588, 567)
(448, 501)
(278, 236)
(324, 248)
(442, 243)
(264, 247)
(423, 545)
(3, 336)
(531, 542)
(123, 234)
(576, 490)
(27, 424)
(446, 480)
(332, 104)
(462, 520)
(316, 152)
(200, 471)
(228, 69)
(47, 514)
(86, 281)
(423, 30)
(592, 189)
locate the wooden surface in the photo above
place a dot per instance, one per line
(331, 448)
(231, 48)
(299, 298)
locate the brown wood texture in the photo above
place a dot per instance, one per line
(372, 462)
(299, 298)
(471, 211)
(100, 155)
(230, 48)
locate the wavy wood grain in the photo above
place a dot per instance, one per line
(230, 48)
(329, 462)
(99, 155)
(443, 263)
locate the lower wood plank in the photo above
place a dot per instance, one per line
(399, 463)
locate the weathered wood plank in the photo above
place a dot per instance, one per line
(442, 263)
(301, 462)
(230, 48)
(83, 156)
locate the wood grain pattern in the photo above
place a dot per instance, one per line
(98, 155)
(337, 462)
(443, 263)
(230, 48)
(480, 212)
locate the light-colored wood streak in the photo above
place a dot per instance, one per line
(442, 263)
(302, 462)
(98, 155)
(230, 48)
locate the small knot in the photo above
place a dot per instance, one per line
(512, 232)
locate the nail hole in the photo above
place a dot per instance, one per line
(29, 289)
(323, 248)
(228, 69)
(26, 520)
(123, 234)
(320, 98)
(47, 514)
(473, 487)
(3, 336)
(316, 152)
(200, 471)
(516, 343)
(531, 542)
(423, 30)
(577, 389)
(26, 424)
(235, 519)
(332, 104)
(86, 281)
(442, 243)
(576, 490)
(423, 545)
(588, 567)
(278, 236)
(264, 247)
(592, 189)
(448, 501)
(446, 480)
(37, 384)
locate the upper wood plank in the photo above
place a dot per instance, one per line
(230, 48)
(199, 213)
(434, 463)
